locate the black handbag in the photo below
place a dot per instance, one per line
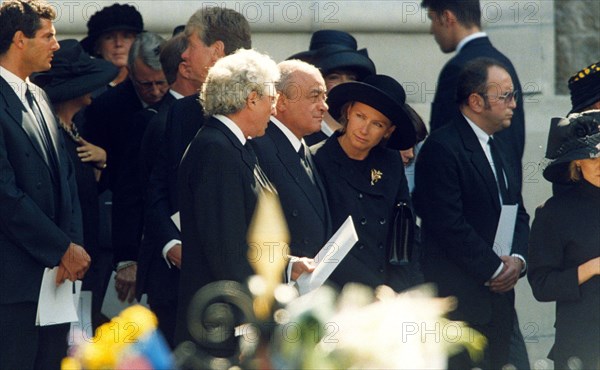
(402, 235)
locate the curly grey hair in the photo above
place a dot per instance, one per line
(231, 80)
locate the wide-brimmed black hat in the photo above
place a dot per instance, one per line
(585, 87)
(117, 17)
(572, 138)
(384, 94)
(337, 50)
(74, 73)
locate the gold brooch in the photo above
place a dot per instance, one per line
(375, 176)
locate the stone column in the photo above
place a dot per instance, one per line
(577, 25)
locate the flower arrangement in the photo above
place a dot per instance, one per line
(129, 341)
(361, 329)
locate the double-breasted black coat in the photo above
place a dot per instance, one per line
(350, 192)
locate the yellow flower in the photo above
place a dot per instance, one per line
(70, 363)
(137, 321)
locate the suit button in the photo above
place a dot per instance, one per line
(305, 241)
(361, 247)
(38, 185)
(363, 221)
(295, 213)
(380, 246)
(360, 196)
(382, 221)
(381, 271)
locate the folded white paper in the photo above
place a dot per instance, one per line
(506, 230)
(329, 257)
(112, 306)
(57, 304)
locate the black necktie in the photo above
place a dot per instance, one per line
(43, 129)
(305, 163)
(499, 170)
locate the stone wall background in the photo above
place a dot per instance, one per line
(577, 42)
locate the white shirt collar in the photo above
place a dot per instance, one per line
(296, 143)
(175, 94)
(326, 129)
(232, 126)
(482, 136)
(473, 36)
(16, 83)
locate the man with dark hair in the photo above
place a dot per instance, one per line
(40, 217)
(461, 186)
(109, 123)
(456, 26)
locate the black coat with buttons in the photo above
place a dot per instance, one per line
(350, 191)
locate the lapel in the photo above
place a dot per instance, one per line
(291, 161)
(347, 170)
(249, 158)
(478, 159)
(15, 109)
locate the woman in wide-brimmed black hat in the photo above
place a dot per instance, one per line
(564, 244)
(69, 84)
(111, 32)
(364, 176)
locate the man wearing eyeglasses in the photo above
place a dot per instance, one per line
(111, 120)
(456, 26)
(462, 185)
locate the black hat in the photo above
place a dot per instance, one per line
(117, 17)
(330, 50)
(585, 87)
(572, 138)
(384, 94)
(74, 73)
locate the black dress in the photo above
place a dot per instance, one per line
(351, 190)
(566, 233)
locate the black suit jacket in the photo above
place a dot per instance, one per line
(304, 203)
(217, 197)
(457, 199)
(349, 192)
(444, 108)
(109, 123)
(39, 213)
(183, 119)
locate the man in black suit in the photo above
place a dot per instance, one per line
(109, 122)
(211, 33)
(286, 159)
(456, 26)
(155, 274)
(461, 185)
(219, 176)
(40, 218)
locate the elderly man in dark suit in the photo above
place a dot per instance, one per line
(456, 26)
(219, 177)
(40, 218)
(284, 156)
(461, 186)
(109, 123)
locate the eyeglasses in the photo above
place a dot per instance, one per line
(149, 85)
(506, 98)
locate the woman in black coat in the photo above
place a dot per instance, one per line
(365, 179)
(564, 254)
